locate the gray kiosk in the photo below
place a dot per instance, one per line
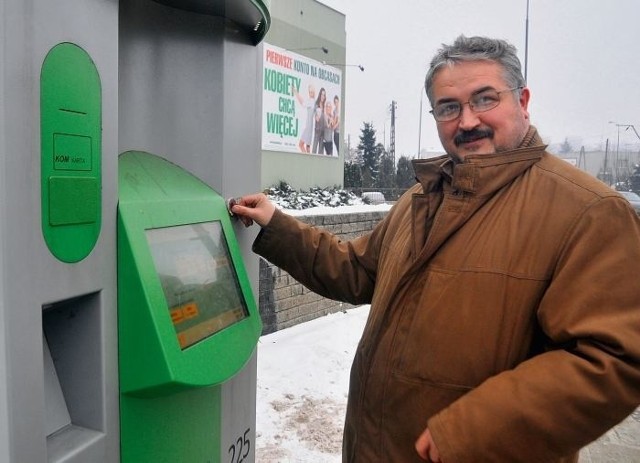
(80, 83)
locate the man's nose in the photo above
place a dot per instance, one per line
(468, 118)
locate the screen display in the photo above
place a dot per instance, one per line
(199, 281)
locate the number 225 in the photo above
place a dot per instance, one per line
(240, 450)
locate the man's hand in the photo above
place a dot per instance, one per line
(427, 449)
(254, 207)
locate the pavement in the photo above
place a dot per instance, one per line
(620, 445)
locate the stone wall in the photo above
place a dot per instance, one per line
(283, 301)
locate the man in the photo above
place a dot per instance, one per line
(505, 302)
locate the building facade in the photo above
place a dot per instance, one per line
(303, 55)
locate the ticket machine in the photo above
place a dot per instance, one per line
(188, 322)
(127, 332)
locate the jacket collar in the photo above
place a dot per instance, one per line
(479, 174)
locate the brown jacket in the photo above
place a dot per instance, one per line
(505, 310)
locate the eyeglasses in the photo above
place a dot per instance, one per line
(479, 103)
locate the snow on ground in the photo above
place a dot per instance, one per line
(303, 379)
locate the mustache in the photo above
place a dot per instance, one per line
(472, 135)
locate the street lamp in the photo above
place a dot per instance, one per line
(617, 160)
(359, 66)
(627, 127)
(325, 50)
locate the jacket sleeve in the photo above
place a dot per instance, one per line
(588, 378)
(340, 270)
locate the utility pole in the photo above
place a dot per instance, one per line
(582, 160)
(392, 147)
(422, 91)
(526, 44)
(606, 177)
(616, 165)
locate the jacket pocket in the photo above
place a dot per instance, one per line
(464, 327)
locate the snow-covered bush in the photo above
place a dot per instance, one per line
(286, 197)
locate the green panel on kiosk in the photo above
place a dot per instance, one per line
(71, 140)
(187, 319)
(187, 316)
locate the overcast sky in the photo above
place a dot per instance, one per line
(583, 64)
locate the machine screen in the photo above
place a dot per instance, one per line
(198, 279)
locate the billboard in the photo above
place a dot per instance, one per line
(301, 100)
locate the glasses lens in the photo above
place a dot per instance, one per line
(446, 111)
(484, 101)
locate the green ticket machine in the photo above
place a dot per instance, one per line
(188, 322)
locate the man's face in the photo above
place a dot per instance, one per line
(498, 129)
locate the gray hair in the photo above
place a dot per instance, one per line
(477, 49)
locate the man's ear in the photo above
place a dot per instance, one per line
(525, 94)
